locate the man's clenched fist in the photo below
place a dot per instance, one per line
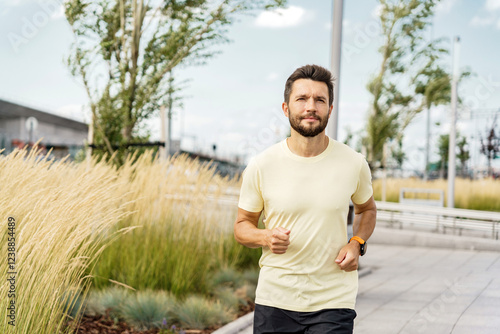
(278, 240)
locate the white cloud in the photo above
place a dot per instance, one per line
(377, 11)
(232, 137)
(492, 5)
(11, 3)
(478, 21)
(445, 6)
(272, 76)
(196, 121)
(75, 111)
(282, 17)
(489, 16)
(59, 13)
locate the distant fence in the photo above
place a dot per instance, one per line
(438, 219)
(418, 196)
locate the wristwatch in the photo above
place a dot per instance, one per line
(362, 245)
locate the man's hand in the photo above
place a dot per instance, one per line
(348, 256)
(278, 240)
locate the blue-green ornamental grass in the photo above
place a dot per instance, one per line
(200, 313)
(148, 309)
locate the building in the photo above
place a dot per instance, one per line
(222, 167)
(21, 126)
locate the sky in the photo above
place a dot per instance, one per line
(234, 101)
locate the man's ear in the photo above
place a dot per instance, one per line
(330, 112)
(284, 106)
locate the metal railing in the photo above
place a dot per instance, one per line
(439, 219)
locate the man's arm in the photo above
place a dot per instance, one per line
(363, 226)
(364, 219)
(247, 233)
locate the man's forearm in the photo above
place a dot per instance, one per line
(364, 224)
(249, 235)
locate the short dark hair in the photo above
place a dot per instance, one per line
(313, 72)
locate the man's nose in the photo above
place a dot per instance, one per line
(310, 104)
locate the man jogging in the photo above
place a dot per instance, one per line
(308, 279)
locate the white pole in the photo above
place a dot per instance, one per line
(163, 150)
(384, 171)
(169, 125)
(427, 145)
(90, 140)
(335, 64)
(452, 147)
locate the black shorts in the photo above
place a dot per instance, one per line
(275, 320)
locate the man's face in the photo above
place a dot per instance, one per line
(308, 110)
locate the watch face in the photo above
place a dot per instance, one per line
(362, 249)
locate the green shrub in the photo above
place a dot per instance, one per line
(112, 299)
(148, 309)
(72, 302)
(251, 276)
(227, 277)
(245, 293)
(200, 313)
(93, 304)
(227, 297)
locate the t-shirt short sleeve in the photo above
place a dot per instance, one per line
(251, 191)
(364, 190)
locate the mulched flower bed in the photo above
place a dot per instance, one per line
(104, 324)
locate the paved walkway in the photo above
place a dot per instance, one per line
(427, 290)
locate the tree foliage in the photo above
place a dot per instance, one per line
(463, 154)
(490, 145)
(443, 147)
(124, 49)
(410, 77)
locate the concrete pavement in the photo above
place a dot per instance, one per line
(429, 290)
(413, 289)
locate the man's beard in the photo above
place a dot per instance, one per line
(308, 131)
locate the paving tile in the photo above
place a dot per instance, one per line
(425, 290)
(479, 320)
(432, 291)
(474, 329)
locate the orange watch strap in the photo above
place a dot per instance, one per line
(358, 239)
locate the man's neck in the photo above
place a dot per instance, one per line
(307, 146)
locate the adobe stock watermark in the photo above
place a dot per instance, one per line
(31, 26)
(363, 37)
(265, 137)
(482, 91)
(436, 309)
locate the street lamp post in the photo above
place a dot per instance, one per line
(335, 64)
(453, 130)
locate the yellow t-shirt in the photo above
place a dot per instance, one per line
(310, 197)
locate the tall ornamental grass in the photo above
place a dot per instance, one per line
(481, 194)
(63, 215)
(185, 212)
(148, 225)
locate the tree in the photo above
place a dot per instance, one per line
(463, 155)
(433, 83)
(490, 146)
(443, 150)
(397, 152)
(124, 50)
(407, 62)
